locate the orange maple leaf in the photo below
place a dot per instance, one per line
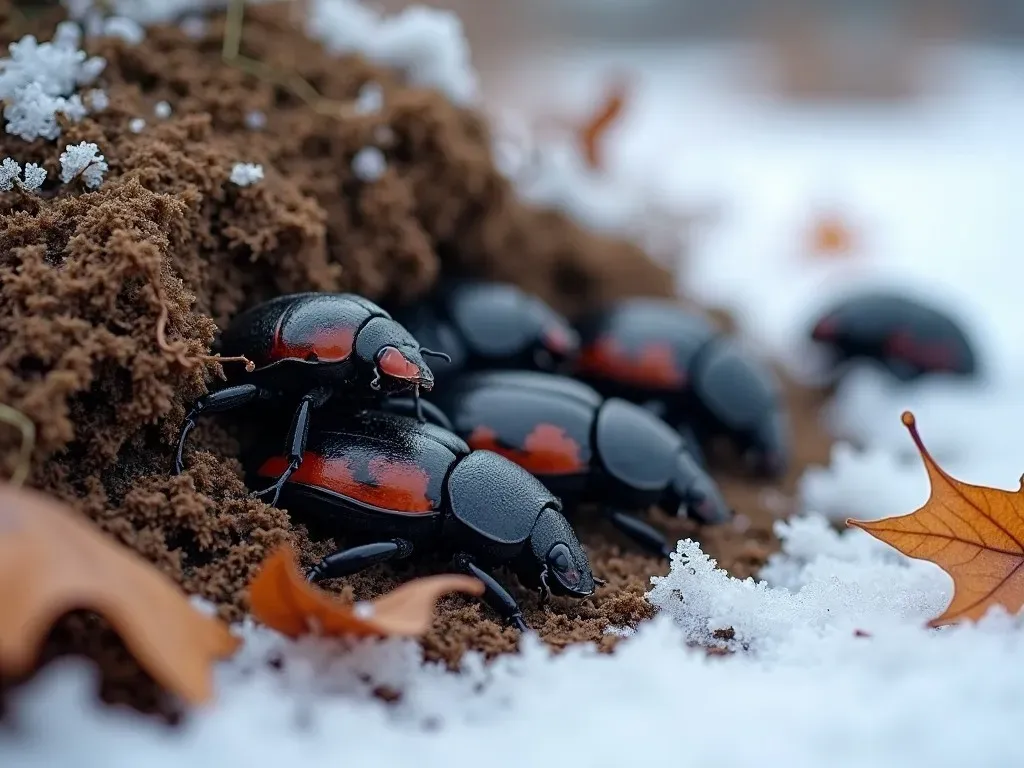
(283, 600)
(974, 533)
(53, 561)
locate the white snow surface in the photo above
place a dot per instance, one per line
(833, 665)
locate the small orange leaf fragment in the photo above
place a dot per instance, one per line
(282, 599)
(974, 533)
(592, 132)
(830, 236)
(52, 561)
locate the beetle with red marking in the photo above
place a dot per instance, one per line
(490, 325)
(310, 347)
(907, 337)
(402, 486)
(676, 363)
(583, 447)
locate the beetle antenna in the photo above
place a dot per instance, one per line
(419, 403)
(27, 427)
(431, 353)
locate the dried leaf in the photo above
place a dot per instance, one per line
(283, 600)
(974, 533)
(831, 236)
(592, 132)
(52, 561)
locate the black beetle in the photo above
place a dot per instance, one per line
(409, 486)
(675, 362)
(584, 447)
(490, 325)
(311, 346)
(908, 337)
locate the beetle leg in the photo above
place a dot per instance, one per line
(345, 562)
(643, 534)
(295, 444)
(225, 399)
(406, 405)
(495, 595)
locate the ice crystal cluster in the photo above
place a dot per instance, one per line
(39, 81)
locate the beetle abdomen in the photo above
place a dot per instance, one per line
(388, 485)
(642, 343)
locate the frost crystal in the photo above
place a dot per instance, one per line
(34, 176)
(127, 29)
(136, 124)
(255, 120)
(244, 174)
(97, 99)
(83, 160)
(426, 44)
(162, 110)
(38, 81)
(370, 99)
(10, 171)
(369, 164)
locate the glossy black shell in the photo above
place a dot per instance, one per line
(910, 338)
(566, 434)
(483, 325)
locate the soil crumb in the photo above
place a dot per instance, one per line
(109, 300)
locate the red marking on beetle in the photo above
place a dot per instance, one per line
(547, 450)
(934, 356)
(826, 330)
(395, 486)
(654, 366)
(330, 345)
(395, 364)
(560, 340)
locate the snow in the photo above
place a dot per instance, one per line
(136, 125)
(83, 161)
(11, 175)
(245, 174)
(427, 44)
(255, 120)
(38, 81)
(369, 164)
(833, 664)
(162, 110)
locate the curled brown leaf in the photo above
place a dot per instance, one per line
(52, 561)
(283, 600)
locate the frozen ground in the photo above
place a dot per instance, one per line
(936, 191)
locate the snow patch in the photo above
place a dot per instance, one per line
(246, 174)
(369, 164)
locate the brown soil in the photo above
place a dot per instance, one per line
(84, 277)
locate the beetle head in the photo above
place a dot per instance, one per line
(402, 368)
(557, 344)
(554, 560)
(693, 491)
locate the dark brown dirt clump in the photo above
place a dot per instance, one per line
(85, 276)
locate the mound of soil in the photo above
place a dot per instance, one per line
(109, 299)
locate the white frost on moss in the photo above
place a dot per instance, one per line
(369, 164)
(97, 100)
(245, 174)
(162, 110)
(426, 44)
(255, 120)
(38, 81)
(83, 161)
(136, 125)
(11, 175)
(121, 27)
(370, 99)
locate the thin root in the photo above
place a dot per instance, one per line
(295, 84)
(24, 424)
(179, 350)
